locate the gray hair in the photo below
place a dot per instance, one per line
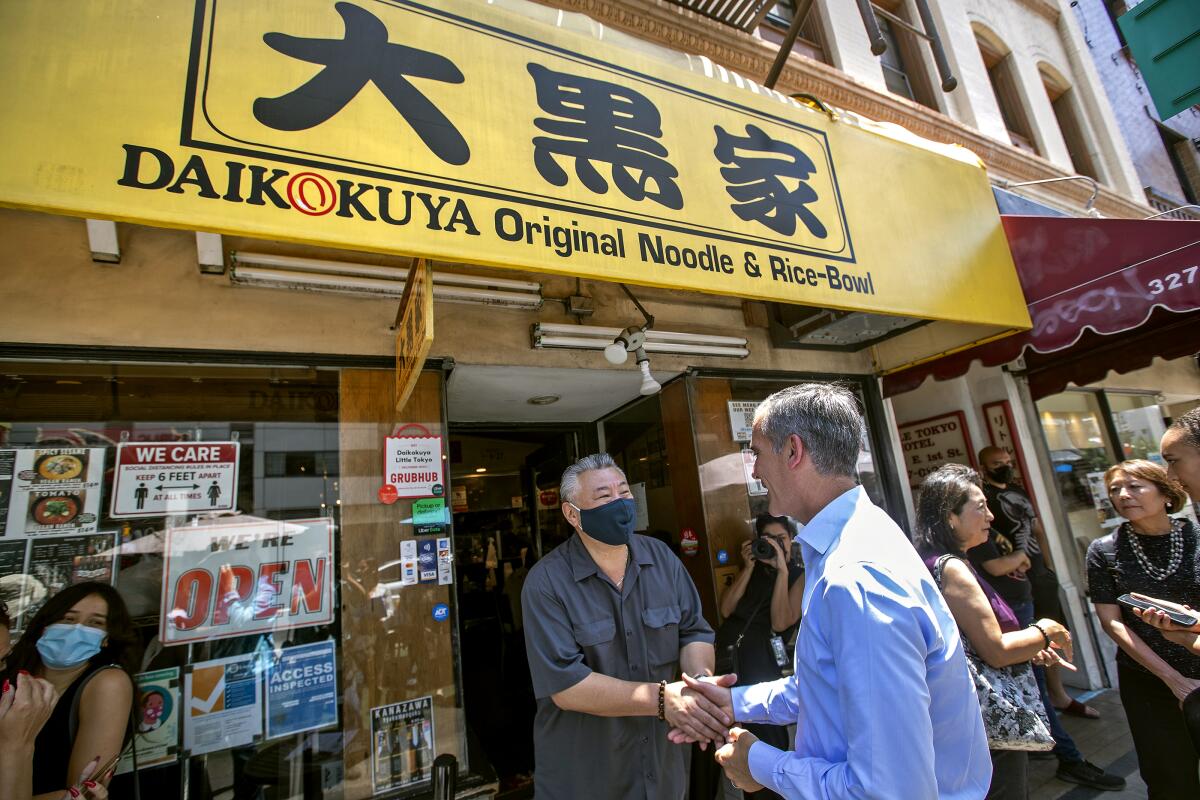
(827, 419)
(568, 487)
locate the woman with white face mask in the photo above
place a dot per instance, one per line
(83, 643)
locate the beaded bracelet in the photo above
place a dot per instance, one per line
(662, 700)
(1042, 631)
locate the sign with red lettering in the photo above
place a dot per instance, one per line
(239, 579)
(413, 464)
(930, 443)
(157, 479)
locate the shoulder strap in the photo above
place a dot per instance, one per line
(939, 566)
(1111, 563)
(73, 718)
(750, 619)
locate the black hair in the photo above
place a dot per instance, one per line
(763, 520)
(124, 646)
(5, 619)
(1189, 425)
(944, 492)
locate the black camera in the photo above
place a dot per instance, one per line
(761, 550)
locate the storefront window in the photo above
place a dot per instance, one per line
(1086, 433)
(1138, 420)
(237, 512)
(1074, 428)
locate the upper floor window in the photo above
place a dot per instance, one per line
(1070, 121)
(903, 64)
(1001, 72)
(810, 42)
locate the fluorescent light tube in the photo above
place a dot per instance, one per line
(386, 287)
(317, 265)
(608, 334)
(587, 343)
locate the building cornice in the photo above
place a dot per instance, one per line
(671, 26)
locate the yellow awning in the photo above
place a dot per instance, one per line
(496, 134)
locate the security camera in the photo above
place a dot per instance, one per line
(627, 341)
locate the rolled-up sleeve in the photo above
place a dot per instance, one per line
(879, 648)
(692, 625)
(556, 660)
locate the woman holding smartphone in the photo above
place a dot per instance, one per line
(82, 643)
(1150, 554)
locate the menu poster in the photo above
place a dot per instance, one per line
(12, 557)
(401, 744)
(54, 491)
(12, 563)
(224, 704)
(8, 458)
(57, 562)
(157, 717)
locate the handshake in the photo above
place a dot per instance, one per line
(701, 710)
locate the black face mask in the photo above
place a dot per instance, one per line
(1001, 474)
(611, 523)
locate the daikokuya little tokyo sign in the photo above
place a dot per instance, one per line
(413, 464)
(153, 480)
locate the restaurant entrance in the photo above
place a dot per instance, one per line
(504, 476)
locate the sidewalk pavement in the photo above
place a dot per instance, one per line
(1105, 742)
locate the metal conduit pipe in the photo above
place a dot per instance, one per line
(878, 43)
(949, 82)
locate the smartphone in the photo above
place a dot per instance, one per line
(1179, 618)
(102, 770)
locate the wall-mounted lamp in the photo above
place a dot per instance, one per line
(628, 341)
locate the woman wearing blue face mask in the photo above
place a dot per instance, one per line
(83, 643)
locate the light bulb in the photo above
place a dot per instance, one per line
(616, 353)
(649, 385)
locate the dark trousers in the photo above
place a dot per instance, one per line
(1166, 758)
(1010, 775)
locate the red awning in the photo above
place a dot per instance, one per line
(1086, 280)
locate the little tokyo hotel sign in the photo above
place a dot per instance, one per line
(466, 132)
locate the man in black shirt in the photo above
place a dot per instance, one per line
(1016, 521)
(1014, 561)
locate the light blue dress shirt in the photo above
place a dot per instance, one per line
(881, 696)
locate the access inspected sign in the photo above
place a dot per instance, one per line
(156, 479)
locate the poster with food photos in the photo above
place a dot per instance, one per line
(55, 490)
(56, 562)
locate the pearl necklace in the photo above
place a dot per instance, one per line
(1173, 562)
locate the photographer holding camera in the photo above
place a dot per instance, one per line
(760, 610)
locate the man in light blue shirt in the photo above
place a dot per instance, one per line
(881, 696)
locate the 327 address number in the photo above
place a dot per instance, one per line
(1174, 280)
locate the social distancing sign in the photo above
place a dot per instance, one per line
(176, 478)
